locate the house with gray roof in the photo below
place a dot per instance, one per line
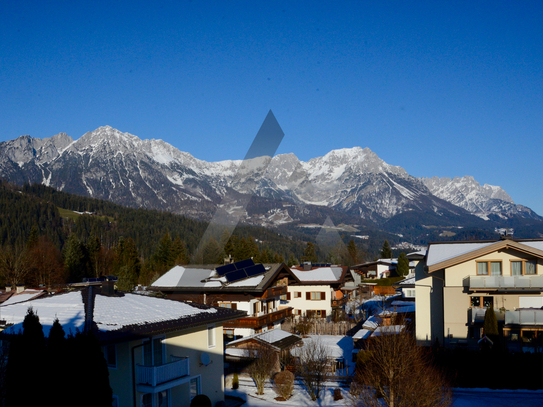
(253, 288)
(159, 351)
(458, 282)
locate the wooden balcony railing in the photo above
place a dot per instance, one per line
(259, 321)
(155, 375)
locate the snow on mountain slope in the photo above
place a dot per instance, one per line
(109, 164)
(481, 200)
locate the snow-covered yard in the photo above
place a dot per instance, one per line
(341, 346)
(461, 397)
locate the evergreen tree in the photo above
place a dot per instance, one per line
(75, 259)
(353, 253)
(310, 253)
(402, 267)
(180, 252)
(292, 260)
(212, 253)
(25, 349)
(89, 368)
(490, 324)
(386, 251)
(164, 256)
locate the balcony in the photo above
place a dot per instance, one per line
(157, 378)
(477, 315)
(259, 320)
(274, 292)
(504, 283)
(524, 317)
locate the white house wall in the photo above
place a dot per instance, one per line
(305, 305)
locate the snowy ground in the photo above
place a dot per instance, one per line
(341, 346)
(461, 397)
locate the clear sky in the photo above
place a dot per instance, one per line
(438, 88)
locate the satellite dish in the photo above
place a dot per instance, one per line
(204, 359)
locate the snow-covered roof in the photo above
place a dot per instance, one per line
(362, 334)
(406, 281)
(320, 274)
(206, 277)
(26, 295)
(124, 313)
(441, 252)
(337, 346)
(276, 337)
(388, 330)
(189, 277)
(68, 308)
(399, 310)
(372, 322)
(111, 313)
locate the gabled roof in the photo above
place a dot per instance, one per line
(118, 317)
(448, 254)
(277, 338)
(204, 278)
(388, 262)
(13, 297)
(332, 275)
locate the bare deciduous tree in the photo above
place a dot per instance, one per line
(14, 265)
(313, 366)
(265, 363)
(397, 373)
(284, 383)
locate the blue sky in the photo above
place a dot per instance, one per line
(439, 88)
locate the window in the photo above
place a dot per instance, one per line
(153, 352)
(160, 399)
(110, 354)
(297, 294)
(228, 305)
(493, 268)
(195, 388)
(211, 336)
(484, 302)
(523, 267)
(315, 295)
(316, 313)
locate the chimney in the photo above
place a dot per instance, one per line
(20, 288)
(108, 288)
(307, 265)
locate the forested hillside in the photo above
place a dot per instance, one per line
(50, 237)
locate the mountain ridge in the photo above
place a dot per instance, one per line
(354, 183)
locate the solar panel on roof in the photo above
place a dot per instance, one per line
(244, 263)
(255, 270)
(222, 270)
(235, 275)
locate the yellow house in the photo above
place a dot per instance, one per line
(458, 281)
(159, 352)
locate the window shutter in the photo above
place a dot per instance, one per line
(308, 295)
(234, 306)
(288, 296)
(323, 295)
(323, 313)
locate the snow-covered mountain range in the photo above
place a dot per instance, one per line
(354, 184)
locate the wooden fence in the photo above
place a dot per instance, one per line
(323, 327)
